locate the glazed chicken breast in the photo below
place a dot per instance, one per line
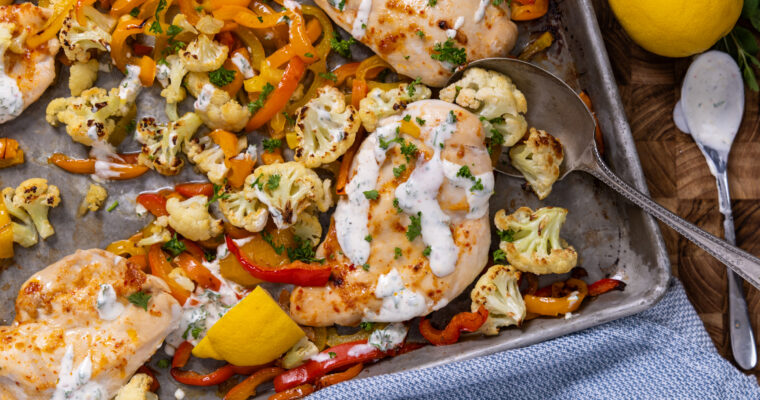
(25, 73)
(406, 32)
(76, 335)
(413, 230)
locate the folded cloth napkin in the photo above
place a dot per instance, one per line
(661, 353)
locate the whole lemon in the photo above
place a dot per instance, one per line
(677, 28)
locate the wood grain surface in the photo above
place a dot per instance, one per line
(678, 177)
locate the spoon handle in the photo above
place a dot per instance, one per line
(742, 337)
(743, 263)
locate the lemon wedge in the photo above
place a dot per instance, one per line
(255, 331)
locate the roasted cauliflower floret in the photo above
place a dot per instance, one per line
(36, 197)
(538, 158)
(287, 189)
(531, 240)
(499, 292)
(170, 75)
(79, 41)
(191, 219)
(24, 232)
(301, 352)
(325, 128)
(156, 232)
(380, 103)
(209, 157)
(82, 75)
(161, 144)
(249, 214)
(308, 227)
(495, 99)
(217, 109)
(138, 388)
(94, 199)
(89, 117)
(203, 54)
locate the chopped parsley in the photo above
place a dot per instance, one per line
(410, 88)
(268, 238)
(329, 76)
(135, 12)
(367, 326)
(113, 206)
(420, 121)
(173, 30)
(342, 47)
(432, 3)
(174, 246)
(162, 61)
(194, 330)
(407, 118)
(415, 226)
(163, 363)
(341, 4)
(258, 184)
(497, 2)
(452, 117)
(447, 52)
(139, 299)
(427, 251)
(256, 105)
(397, 207)
(288, 118)
(270, 145)
(273, 182)
(368, 238)
(499, 256)
(497, 139)
(309, 55)
(259, 18)
(365, 267)
(398, 171)
(219, 193)
(396, 253)
(303, 251)
(221, 76)
(155, 27)
(199, 8)
(506, 236)
(478, 185)
(408, 149)
(371, 194)
(420, 33)
(384, 144)
(464, 172)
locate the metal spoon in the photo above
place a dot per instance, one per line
(558, 109)
(711, 109)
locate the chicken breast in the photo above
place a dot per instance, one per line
(405, 32)
(25, 73)
(413, 230)
(76, 335)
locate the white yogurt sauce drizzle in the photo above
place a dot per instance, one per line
(162, 74)
(11, 101)
(476, 199)
(130, 86)
(243, 65)
(75, 384)
(452, 33)
(399, 302)
(108, 306)
(204, 97)
(481, 11)
(360, 21)
(389, 338)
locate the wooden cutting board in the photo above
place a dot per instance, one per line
(678, 177)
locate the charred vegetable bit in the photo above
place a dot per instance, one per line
(462, 322)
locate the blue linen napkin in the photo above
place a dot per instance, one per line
(661, 353)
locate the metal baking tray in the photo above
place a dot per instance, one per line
(612, 236)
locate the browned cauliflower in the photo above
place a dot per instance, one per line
(538, 158)
(499, 292)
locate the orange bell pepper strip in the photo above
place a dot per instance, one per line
(246, 17)
(274, 157)
(553, 306)
(60, 13)
(187, 7)
(197, 272)
(215, 4)
(338, 377)
(605, 285)
(140, 260)
(121, 7)
(278, 99)
(160, 267)
(239, 170)
(299, 39)
(297, 392)
(75, 166)
(247, 388)
(527, 12)
(462, 322)
(79, 11)
(194, 189)
(344, 72)
(147, 71)
(358, 92)
(285, 53)
(10, 154)
(124, 29)
(193, 248)
(227, 141)
(234, 87)
(154, 203)
(6, 232)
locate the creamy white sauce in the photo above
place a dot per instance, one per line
(573, 298)
(107, 303)
(162, 74)
(291, 5)
(477, 200)
(179, 394)
(130, 86)
(452, 33)
(320, 357)
(459, 22)
(243, 65)
(359, 350)
(204, 97)
(399, 302)
(75, 384)
(568, 315)
(11, 101)
(481, 11)
(360, 21)
(389, 338)
(140, 210)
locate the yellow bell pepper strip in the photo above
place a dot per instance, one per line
(10, 153)
(246, 17)
(160, 267)
(187, 7)
(79, 10)
(247, 388)
(6, 232)
(323, 47)
(124, 29)
(147, 71)
(121, 7)
(278, 99)
(382, 85)
(541, 43)
(299, 39)
(277, 123)
(267, 75)
(318, 69)
(285, 53)
(61, 10)
(216, 4)
(274, 37)
(157, 16)
(553, 306)
(253, 43)
(370, 67)
(527, 12)
(126, 248)
(291, 138)
(410, 128)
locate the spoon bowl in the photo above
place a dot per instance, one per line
(555, 107)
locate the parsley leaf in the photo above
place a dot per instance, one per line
(273, 182)
(155, 27)
(478, 185)
(371, 194)
(420, 33)
(342, 47)
(365, 267)
(420, 121)
(368, 238)
(408, 149)
(506, 236)
(398, 171)
(432, 3)
(139, 299)
(222, 76)
(407, 118)
(396, 253)
(452, 117)
(270, 145)
(410, 88)
(329, 76)
(303, 251)
(174, 246)
(464, 172)
(219, 193)
(135, 12)
(367, 326)
(163, 363)
(265, 91)
(499, 256)
(415, 226)
(449, 53)
(427, 251)
(173, 30)
(258, 184)
(397, 207)
(268, 238)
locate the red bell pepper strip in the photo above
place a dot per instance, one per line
(197, 272)
(182, 354)
(213, 378)
(194, 189)
(336, 357)
(247, 388)
(154, 385)
(605, 285)
(155, 203)
(193, 248)
(160, 267)
(338, 377)
(279, 98)
(462, 322)
(297, 273)
(297, 392)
